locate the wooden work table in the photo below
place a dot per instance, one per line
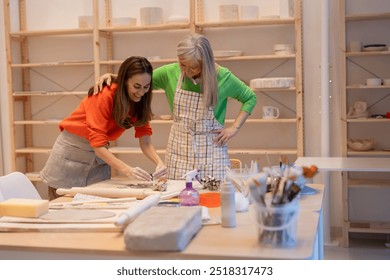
(211, 242)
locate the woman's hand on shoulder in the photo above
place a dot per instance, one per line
(103, 79)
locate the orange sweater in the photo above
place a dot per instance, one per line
(92, 119)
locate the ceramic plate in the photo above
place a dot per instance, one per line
(177, 19)
(374, 48)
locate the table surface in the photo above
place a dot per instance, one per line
(366, 164)
(211, 242)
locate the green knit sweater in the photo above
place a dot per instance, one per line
(229, 86)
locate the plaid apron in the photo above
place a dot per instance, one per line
(190, 145)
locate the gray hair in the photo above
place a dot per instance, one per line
(197, 48)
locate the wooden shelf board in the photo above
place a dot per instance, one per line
(368, 120)
(131, 150)
(259, 121)
(291, 89)
(357, 86)
(53, 64)
(368, 153)
(246, 23)
(33, 150)
(37, 122)
(52, 32)
(369, 230)
(264, 151)
(371, 16)
(159, 27)
(48, 93)
(118, 62)
(158, 121)
(372, 183)
(376, 53)
(230, 58)
(255, 57)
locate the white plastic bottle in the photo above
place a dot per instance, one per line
(228, 204)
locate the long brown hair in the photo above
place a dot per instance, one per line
(124, 108)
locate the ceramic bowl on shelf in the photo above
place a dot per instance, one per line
(151, 15)
(249, 12)
(154, 57)
(165, 117)
(374, 82)
(177, 19)
(227, 53)
(228, 12)
(283, 49)
(280, 82)
(360, 144)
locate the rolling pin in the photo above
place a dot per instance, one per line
(108, 192)
(137, 209)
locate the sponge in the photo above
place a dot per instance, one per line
(24, 207)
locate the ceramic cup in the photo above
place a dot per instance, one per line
(270, 112)
(228, 12)
(151, 15)
(373, 82)
(249, 12)
(286, 8)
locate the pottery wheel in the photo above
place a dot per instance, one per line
(77, 215)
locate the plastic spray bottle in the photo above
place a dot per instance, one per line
(228, 204)
(189, 196)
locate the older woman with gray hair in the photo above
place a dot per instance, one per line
(197, 90)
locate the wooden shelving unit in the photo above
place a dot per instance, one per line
(355, 68)
(106, 57)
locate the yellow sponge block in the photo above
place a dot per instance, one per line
(24, 207)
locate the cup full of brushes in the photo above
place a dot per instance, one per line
(277, 212)
(277, 224)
